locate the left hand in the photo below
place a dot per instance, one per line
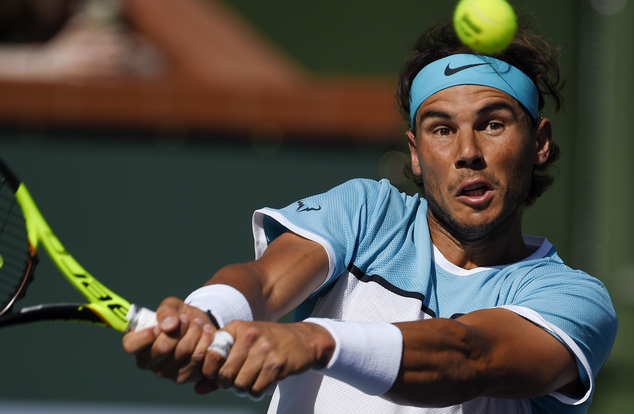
(266, 352)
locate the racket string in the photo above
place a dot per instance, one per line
(16, 263)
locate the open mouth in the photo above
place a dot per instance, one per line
(474, 190)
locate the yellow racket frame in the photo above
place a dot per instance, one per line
(110, 307)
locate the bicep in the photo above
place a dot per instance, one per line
(289, 270)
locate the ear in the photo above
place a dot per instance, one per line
(542, 141)
(411, 141)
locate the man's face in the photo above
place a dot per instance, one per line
(475, 153)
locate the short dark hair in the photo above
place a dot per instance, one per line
(529, 52)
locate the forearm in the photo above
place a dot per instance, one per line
(287, 273)
(267, 303)
(440, 364)
(248, 283)
(490, 353)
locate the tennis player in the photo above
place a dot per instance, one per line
(432, 304)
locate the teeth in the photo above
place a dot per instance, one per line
(472, 187)
(475, 190)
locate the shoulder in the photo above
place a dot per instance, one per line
(574, 301)
(545, 267)
(553, 276)
(550, 278)
(548, 285)
(370, 195)
(367, 186)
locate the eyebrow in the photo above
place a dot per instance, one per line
(496, 106)
(433, 114)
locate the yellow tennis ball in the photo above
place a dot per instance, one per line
(486, 26)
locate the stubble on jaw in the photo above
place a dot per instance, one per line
(479, 235)
(486, 233)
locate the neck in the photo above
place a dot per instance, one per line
(504, 244)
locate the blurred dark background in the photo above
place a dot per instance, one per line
(148, 131)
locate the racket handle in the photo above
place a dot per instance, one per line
(140, 318)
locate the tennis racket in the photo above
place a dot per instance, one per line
(23, 230)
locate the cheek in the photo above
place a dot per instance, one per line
(429, 166)
(435, 160)
(521, 172)
(434, 175)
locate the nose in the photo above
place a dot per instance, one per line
(468, 152)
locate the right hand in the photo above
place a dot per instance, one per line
(176, 348)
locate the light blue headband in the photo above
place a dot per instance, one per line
(457, 70)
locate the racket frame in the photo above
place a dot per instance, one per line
(109, 307)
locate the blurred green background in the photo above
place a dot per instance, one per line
(153, 215)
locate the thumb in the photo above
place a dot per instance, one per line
(168, 313)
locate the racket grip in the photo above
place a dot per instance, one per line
(140, 318)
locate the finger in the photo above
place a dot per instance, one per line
(167, 314)
(205, 340)
(134, 342)
(238, 355)
(212, 363)
(188, 343)
(260, 369)
(248, 374)
(205, 386)
(222, 343)
(217, 352)
(265, 384)
(192, 361)
(171, 352)
(166, 342)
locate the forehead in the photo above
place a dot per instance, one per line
(468, 98)
(467, 69)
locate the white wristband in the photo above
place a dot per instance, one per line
(225, 303)
(367, 355)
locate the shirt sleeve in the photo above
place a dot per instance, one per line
(577, 310)
(337, 220)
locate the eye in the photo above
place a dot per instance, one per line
(442, 131)
(494, 126)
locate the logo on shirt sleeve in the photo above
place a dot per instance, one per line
(302, 207)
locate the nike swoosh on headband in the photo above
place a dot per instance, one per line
(486, 71)
(449, 71)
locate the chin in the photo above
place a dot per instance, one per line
(479, 229)
(474, 234)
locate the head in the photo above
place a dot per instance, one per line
(528, 52)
